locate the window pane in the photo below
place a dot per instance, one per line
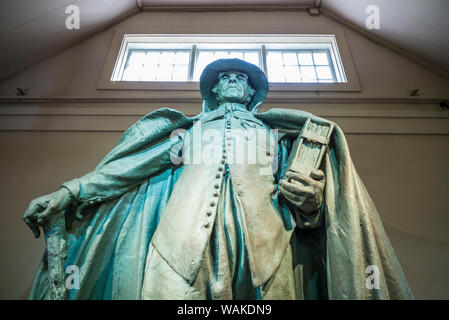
(284, 64)
(180, 73)
(314, 65)
(207, 56)
(283, 58)
(204, 58)
(167, 58)
(276, 74)
(308, 74)
(292, 74)
(220, 55)
(152, 58)
(274, 59)
(182, 58)
(132, 73)
(236, 54)
(320, 58)
(251, 57)
(157, 65)
(164, 72)
(305, 59)
(324, 72)
(136, 57)
(149, 73)
(290, 59)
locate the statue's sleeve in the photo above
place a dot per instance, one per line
(120, 175)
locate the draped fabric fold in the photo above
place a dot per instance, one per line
(120, 214)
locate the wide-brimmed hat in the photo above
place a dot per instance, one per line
(209, 78)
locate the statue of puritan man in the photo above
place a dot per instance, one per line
(208, 207)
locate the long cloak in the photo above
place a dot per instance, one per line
(133, 183)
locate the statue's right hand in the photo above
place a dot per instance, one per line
(40, 209)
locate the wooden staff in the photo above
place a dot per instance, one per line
(56, 238)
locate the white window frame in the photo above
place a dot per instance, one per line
(122, 61)
(244, 46)
(335, 43)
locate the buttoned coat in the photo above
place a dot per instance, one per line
(120, 205)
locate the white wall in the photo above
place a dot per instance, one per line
(399, 144)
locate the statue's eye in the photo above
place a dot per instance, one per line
(241, 78)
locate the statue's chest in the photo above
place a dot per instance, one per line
(233, 137)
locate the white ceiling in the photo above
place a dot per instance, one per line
(30, 30)
(420, 27)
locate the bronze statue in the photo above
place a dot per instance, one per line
(229, 204)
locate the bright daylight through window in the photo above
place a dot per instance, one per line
(285, 59)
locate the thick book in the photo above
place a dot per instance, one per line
(310, 147)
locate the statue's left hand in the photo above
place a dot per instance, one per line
(305, 195)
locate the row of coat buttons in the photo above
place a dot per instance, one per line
(218, 176)
(221, 167)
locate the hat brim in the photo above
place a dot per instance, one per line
(209, 77)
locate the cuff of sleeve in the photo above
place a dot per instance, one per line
(77, 205)
(73, 186)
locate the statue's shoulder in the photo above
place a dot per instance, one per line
(288, 118)
(285, 112)
(160, 121)
(163, 114)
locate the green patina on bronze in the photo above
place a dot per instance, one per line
(141, 227)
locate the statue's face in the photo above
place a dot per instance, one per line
(233, 86)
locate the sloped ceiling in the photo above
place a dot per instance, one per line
(30, 30)
(420, 27)
(33, 30)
